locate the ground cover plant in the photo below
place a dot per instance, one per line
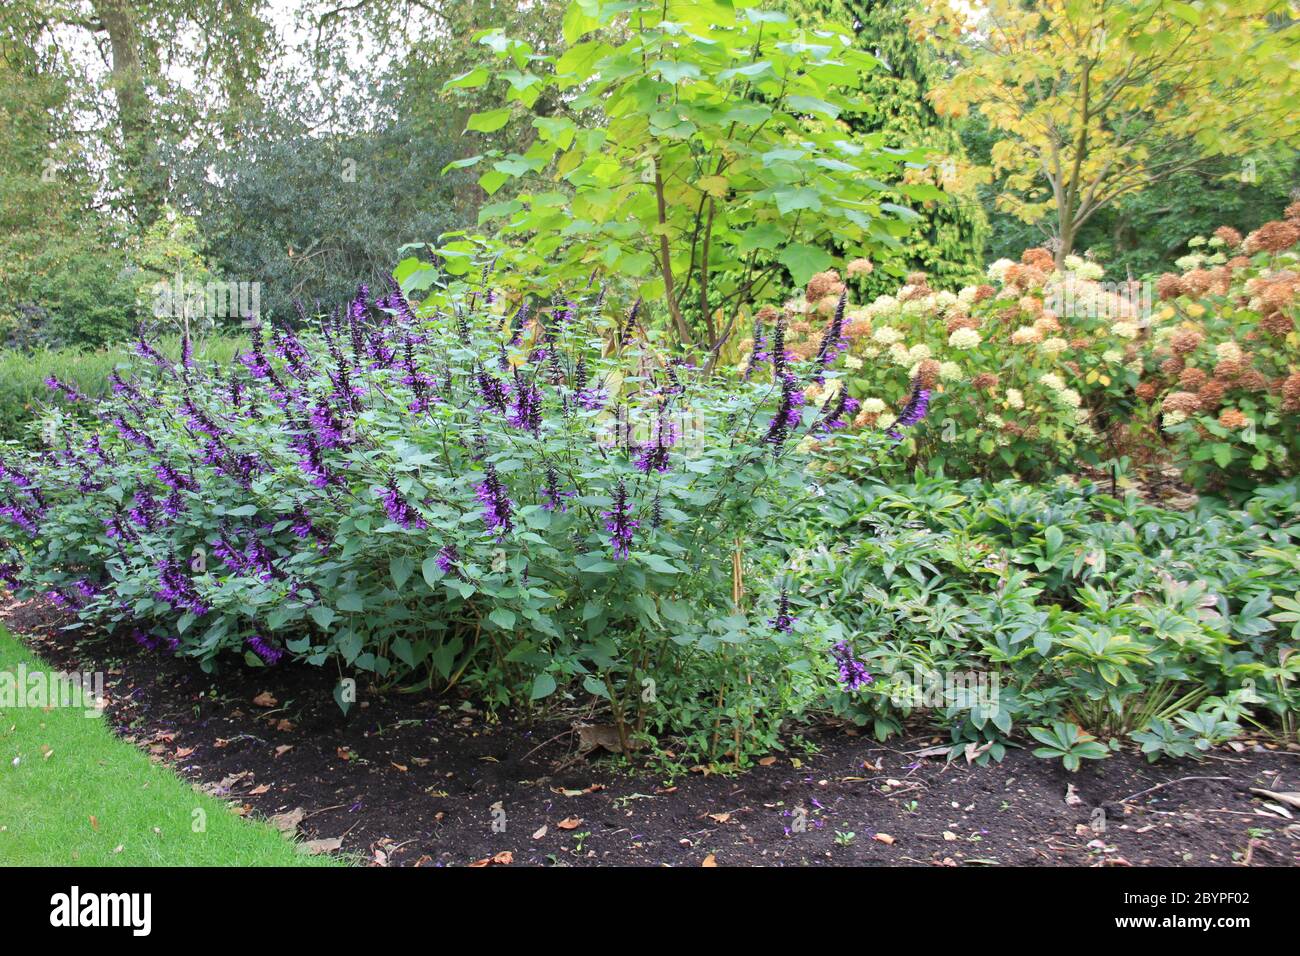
(1099, 621)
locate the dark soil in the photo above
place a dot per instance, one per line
(418, 779)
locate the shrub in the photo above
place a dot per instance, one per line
(520, 503)
(1221, 367)
(25, 396)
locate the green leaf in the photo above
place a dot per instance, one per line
(503, 618)
(489, 121)
(401, 568)
(543, 686)
(804, 261)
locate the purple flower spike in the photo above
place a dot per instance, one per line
(853, 673)
(620, 524)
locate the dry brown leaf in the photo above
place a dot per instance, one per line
(285, 725)
(710, 860)
(884, 838)
(265, 699)
(570, 823)
(288, 822)
(719, 817)
(398, 766)
(260, 789)
(283, 749)
(314, 847)
(540, 833)
(183, 752)
(94, 822)
(504, 858)
(766, 761)
(344, 753)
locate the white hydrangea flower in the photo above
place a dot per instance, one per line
(1195, 242)
(1170, 419)
(1124, 330)
(997, 270)
(1073, 263)
(1052, 380)
(1090, 271)
(1113, 356)
(873, 406)
(1228, 351)
(887, 419)
(898, 353)
(1188, 262)
(1015, 398)
(945, 300)
(949, 371)
(886, 335)
(964, 339)
(919, 353)
(1069, 396)
(852, 362)
(1055, 345)
(967, 294)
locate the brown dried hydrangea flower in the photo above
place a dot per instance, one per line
(1079, 343)
(1169, 286)
(823, 284)
(983, 292)
(1185, 402)
(1229, 368)
(1185, 341)
(860, 267)
(1233, 419)
(865, 419)
(1212, 392)
(1172, 365)
(1273, 236)
(1292, 211)
(1238, 262)
(1146, 390)
(1192, 378)
(961, 322)
(1277, 324)
(927, 373)
(985, 380)
(1231, 237)
(768, 313)
(858, 328)
(1039, 259)
(1290, 389)
(1047, 325)
(1074, 368)
(1253, 380)
(1197, 281)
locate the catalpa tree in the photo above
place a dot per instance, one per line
(699, 151)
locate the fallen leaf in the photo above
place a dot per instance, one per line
(949, 835)
(398, 766)
(183, 752)
(540, 833)
(1289, 797)
(313, 847)
(285, 725)
(260, 789)
(570, 823)
(884, 838)
(710, 860)
(720, 817)
(94, 822)
(344, 753)
(504, 858)
(265, 699)
(283, 749)
(288, 822)
(767, 761)
(1072, 798)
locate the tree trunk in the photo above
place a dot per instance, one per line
(146, 180)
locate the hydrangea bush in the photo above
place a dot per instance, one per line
(522, 501)
(1221, 373)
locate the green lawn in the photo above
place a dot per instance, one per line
(79, 796)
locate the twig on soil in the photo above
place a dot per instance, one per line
(1167, 783)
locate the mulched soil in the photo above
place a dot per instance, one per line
(420, 780)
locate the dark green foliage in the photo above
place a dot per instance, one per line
(297, 209)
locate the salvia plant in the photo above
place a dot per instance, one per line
(523, 499)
